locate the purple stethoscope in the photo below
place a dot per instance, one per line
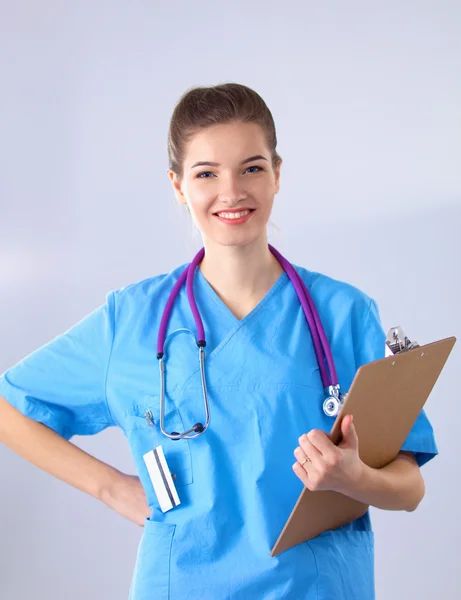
(334, 399)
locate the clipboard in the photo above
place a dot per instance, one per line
(386, 397)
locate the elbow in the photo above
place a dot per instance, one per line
(419, 493)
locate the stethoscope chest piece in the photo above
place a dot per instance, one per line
(333, 402)
(331, 406)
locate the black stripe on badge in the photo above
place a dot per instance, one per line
(165, 482)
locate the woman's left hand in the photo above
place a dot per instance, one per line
(329, 467)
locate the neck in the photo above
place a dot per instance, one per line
(240, 274)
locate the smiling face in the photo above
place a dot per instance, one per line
(229, 183)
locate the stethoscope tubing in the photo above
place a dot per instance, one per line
(322, 348)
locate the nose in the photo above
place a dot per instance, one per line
(232, 190)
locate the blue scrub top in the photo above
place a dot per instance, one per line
(235, 482)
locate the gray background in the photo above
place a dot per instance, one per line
(366, 99)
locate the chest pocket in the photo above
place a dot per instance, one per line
(143, 437)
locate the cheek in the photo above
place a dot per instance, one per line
(200, 207)
(267, 202)
(263, 190)
(200, 198)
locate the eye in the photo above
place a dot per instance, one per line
(204, 175)
(254, 167)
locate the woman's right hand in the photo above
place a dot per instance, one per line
(126, 496)
(49, 451)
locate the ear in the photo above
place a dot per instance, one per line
(177, 188)
(277, 176)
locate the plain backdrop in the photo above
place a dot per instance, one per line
(367, 101)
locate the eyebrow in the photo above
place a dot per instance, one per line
(215, 164)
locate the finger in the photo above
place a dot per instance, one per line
(350, 438)
(303, 458)
(309, 448)
(301, 474)
(322, 443)
(346, 425)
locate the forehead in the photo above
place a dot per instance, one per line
(227, 143)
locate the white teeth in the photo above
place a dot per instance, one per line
(237, 215)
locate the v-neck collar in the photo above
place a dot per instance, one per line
(211, 294)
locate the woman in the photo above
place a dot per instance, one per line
(234, 480)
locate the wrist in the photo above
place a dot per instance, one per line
(106, 484)
(358, 482)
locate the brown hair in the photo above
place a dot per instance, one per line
(203, 107)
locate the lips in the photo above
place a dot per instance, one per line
(235, 220)
(234, 210)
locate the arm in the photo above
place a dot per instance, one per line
(398, 486)
(47, 450)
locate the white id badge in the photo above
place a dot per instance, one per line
(161, 479)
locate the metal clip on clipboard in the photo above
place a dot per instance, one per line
(397, 342)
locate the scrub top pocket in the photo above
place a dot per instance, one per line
(151, 578)
(345, 564)
(144, 437)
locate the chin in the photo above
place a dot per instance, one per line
(235, 240)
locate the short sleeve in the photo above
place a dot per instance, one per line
(371, 346)
(62, 384)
